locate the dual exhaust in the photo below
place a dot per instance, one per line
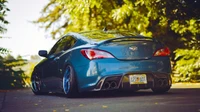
(110, 85)
(162, 82)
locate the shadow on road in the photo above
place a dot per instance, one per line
(113, 94)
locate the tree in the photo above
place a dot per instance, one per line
(176, 22)
(3, 22)
(61, 16)
(3, 10)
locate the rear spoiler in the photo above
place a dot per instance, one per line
(128, 38)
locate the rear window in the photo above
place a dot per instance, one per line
(104, 35)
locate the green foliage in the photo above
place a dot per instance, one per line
(188, 63)
(176, 22)
(187, 56)
(3, 22)
(11, 74)
(3, 51)
(61, 16)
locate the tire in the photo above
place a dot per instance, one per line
(36, 85)
(70, 87)
(161, 90)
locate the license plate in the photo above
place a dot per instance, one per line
(138, 79)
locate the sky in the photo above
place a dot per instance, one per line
(26, 38)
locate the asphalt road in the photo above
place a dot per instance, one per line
(176, 100)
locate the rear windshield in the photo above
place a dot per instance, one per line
(102, 35)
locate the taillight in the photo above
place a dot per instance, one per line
(95, 54)
(162, 52)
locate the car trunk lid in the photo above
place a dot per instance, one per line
(130, 48)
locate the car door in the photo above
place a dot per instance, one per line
(51, 68)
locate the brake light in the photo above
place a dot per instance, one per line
(162, 52)
(95, 54)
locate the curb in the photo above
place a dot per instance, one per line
(185, 85)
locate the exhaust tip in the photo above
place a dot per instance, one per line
(113, 84)
(160, 83)
(107, 85)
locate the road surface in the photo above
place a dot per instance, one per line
(176, 100)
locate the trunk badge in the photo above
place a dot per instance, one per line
(133, 48)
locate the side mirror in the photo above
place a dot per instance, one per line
(42, 53)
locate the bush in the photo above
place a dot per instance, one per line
(187, 64)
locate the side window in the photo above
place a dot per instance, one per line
(63, 44)
(53, 50)
(68, 43)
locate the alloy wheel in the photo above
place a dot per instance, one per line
(36, 83)
(66, 80)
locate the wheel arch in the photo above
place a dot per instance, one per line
(69, 63)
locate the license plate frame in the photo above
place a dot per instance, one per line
(138, 79)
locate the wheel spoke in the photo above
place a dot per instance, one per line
(36, 84)
(66, 81)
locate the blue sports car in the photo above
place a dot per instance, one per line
(122, 60)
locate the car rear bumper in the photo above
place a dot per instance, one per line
(154, 80)
(121, 81)
(108, 74)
